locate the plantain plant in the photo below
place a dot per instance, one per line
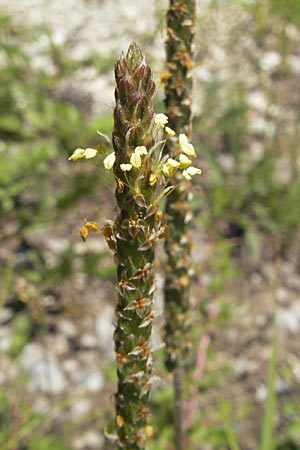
(178, 92)
(142, 175)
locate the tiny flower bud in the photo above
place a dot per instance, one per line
(90, 153)
(184, 161)
(77, 154)
(83, 232)
(120, 186)
(160, 120)
(173, 163)
(190, 172)
(140, 150)
(152, 179)
(193, 171)
(119, 421)
(126, 167)
(185, 146)
(186, 175)
(169, 131)
(135, 160)
(109, 161)
(167, 170)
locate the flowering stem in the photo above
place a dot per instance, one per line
(143, 177)
(133, 232)
(178, 87)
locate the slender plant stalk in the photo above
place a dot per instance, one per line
(178, 86)
(178, 89)
(143, 177)
(133, 116)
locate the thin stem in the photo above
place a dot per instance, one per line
(178, 375)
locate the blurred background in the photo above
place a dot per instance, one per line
(57, 297)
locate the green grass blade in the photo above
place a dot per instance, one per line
(225, 408)
(230, 436)
(268, 426)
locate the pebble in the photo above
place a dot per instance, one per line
(59, 344)
(80, 408)
(43, 368)
(67, 328)
(90, 379)
(8, 370)
(89, 441)
(5, 338)
(88, 341)
(243, 366)
(282, 295)
(257, 100)
(257, 151)
(41, 405)
(261, 320)
(261, 393)
(70, 365)
(290, 318)
(58, 245)
(92, 245)
(270, 61)
(104, 330)
(294, 64)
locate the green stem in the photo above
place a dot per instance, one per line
(133, 232)
(178, 89)
(178, 406)
(180, 29)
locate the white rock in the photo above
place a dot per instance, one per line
(5, 338)
(8, 370)
(226, 161)
(80, 408)
(294, 64)
(43, 369)
(92, 245)
(41, 405)
(290, 318)
(257, 151)
(89, 341)
(90, 440)
(296, 370)
(202, 73)
(57, 245)
(283, 170)
(292, 32)
(256, 279)
(89, 379)
(270, 61)
(104, 330)
(257, 100)
(70, 365)
(257, 124)
(261, 393)
(282, 295)
(59, 344)
(66, 327)
(243, 366)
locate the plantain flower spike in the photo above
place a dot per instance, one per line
(178, 90)
(135, 231)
